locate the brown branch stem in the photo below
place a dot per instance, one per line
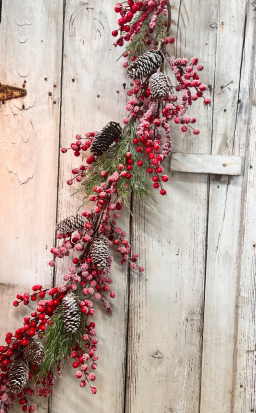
(169, 22)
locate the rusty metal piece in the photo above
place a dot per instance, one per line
(11, 92)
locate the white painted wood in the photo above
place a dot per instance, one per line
(30, 51)
(224, 213)
(183, 356)
(92, 95)
(166, 311)
(206, 164)
(244, 359)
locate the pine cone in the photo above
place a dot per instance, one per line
(71, 224)
(99, 252)
(18, 375)
(145, 64)
(158, 85)
(102, 141)
(71, 312)
(34, 352)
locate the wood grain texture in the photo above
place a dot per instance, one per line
(244, 359)
(186, 327)
(92, 95)
(29, 134)
(206, 164)
(166, 305)
(224, 214)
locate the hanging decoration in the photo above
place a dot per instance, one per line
(121, 160)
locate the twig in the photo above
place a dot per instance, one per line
(169, 22)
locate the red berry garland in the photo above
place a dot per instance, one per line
(108, 177)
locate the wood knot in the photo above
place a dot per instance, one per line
(157, 355)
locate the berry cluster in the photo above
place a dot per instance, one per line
(130, 25)
(112, 171)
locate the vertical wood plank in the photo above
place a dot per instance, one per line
(166, 307)
(229, 118)
(244, 361)
(30, 55)
(93, 94)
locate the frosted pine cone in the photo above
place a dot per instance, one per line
(145, 64)
(99, 252)
(108, 135)
(71, 224)
(18, 375)
(34, 352)
(71, 312)
(158, 85)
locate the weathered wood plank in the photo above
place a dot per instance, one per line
(206, 164)
(166, 311)
(93, 94)
(244, 361)
(29, 135)
(224, 214)
(30, 55)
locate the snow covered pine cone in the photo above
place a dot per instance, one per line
(158, 85)
(34, 352)
(71, 224)
(104, 138)
(99, 252)
(71, 312)
(18, 375)
(145, 64)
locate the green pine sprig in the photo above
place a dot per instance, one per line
(58, 343)
(109, 162)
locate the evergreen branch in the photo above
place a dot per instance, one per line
(58, 342)
(109, 162)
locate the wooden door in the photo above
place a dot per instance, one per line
(182, 337)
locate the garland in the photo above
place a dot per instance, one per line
(120, 160)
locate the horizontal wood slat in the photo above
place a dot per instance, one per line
(206, 164)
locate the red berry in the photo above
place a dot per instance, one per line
(112, 294)
(140, 163)
(150, 170)
(155, 179)
(64, 150)
(156, 185)
(200, 67)
(75, 364)
(75, 260)
(135, 8)
(24, 342)
(184, 128)
(163, 192)
(196, 131)
(207, 101)
(194, 60)
(118, 7)
(165, 178)
(114, 33)
(15, 303)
